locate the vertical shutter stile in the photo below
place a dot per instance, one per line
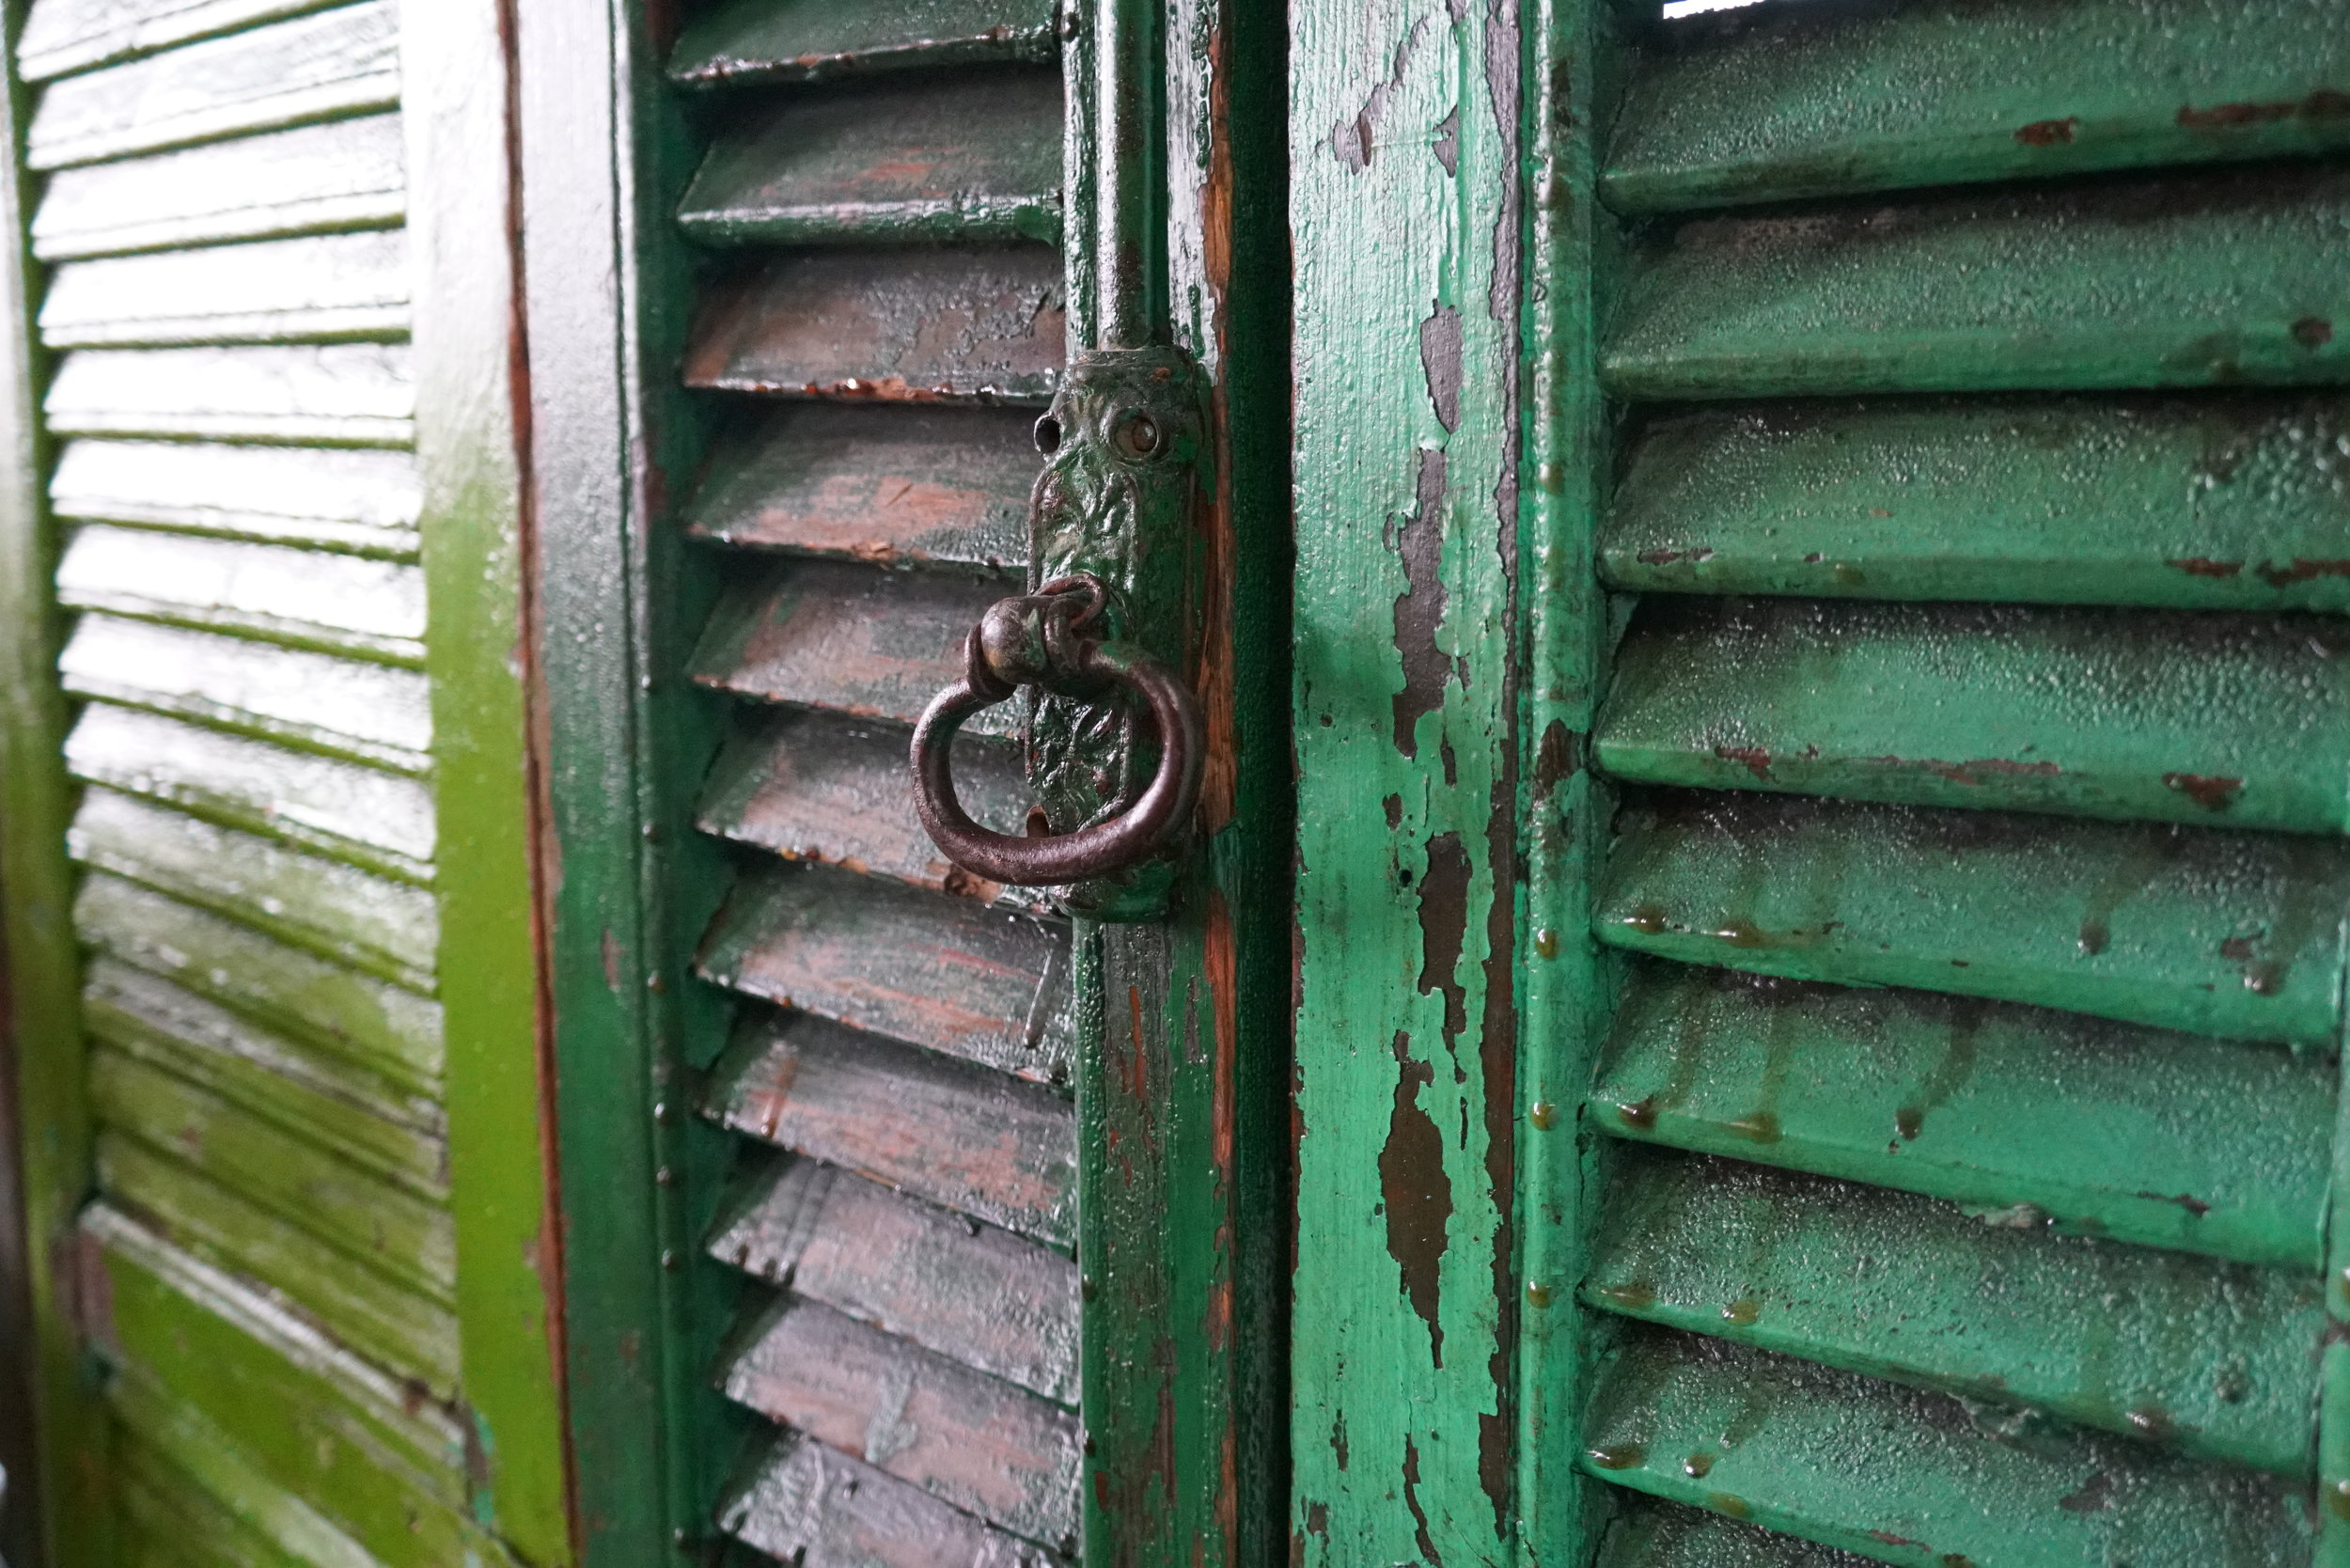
(881, 310)
(1972, 914)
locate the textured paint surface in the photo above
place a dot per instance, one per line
(455, 64)
(1913, 1478)
(2150, 1344)
(2241, 721)
(1404, 138)
(1789, 103)
(2191, 279)
(2241, 503)
(2104, 1128)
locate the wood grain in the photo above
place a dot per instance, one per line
(981, 1445)
(990, 986)
(960, 326)
(882, 485)
(812, 787)
(854, 639)
(974, 1294)
(806, 1503)
(964, 1137)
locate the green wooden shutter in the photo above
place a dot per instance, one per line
(1963, 1150)
(878, 315)
(253, 457)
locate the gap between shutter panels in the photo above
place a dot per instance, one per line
(908, 1174)
(223, 216)
(1879, 1237)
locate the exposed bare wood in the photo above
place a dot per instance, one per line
(964, 1136)
(988, 986)
(970, 1292)
(984, 1446)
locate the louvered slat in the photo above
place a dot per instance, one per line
(318, 179)
(869, 441)
(363, 712)
(335, 395)
(2212, 1359)
(990, 986)
(200, 1349)
(1002, 1453)
(760, 41)
(808, 786)
(379, 1028)
(2238, 504)
(2226, 933)
(971, 158)
(306, 1184)
(2241, 720)
(887, 486)
(320, 288)
(1916, 1479)
(1803, 101)
(386, 928)
(401, 1137)
(971, 1139)
(854, 639)
(1664, 1535)
(800, 1501)
(340, 605)
(988, 1298)
(2107, 1129)
(2224, 277)
(62, 36)
(378, 821)
(957, 326)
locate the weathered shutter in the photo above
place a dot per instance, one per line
(269, 1269)
(1978, 736)
(880, 311)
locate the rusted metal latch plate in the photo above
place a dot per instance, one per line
(1114, 743)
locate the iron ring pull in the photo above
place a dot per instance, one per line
(1041, 640)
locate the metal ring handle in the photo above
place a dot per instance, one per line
(1071, 664)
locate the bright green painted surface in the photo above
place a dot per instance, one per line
(2110, 1129)
(2227, 934)
(1809, 105)
(462, 210)
(2212, 1359)
(2237, 504)
(1404, 142)
(2240, 721)
(2221, 279)
(1914, 1478)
